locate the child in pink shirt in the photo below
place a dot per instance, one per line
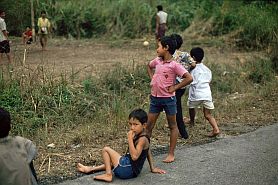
(163, 71)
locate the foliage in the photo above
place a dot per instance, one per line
(255, 22)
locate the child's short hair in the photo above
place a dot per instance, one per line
(5, 123)
(170, 42)
(178, 40)
(43, 12)
(159, 8)
(197, 53)
(140, 115)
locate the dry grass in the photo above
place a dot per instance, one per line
(236, 112)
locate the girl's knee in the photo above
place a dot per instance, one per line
(106, 148)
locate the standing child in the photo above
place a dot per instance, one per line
(161, 23)
(44, 29)
(131, 164)
(200, 92)
(16, 156)
(163, 89)
(185, 60)
(4, 41)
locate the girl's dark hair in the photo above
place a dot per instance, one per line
(159, 8)
(178, 39)
(43, 12)
(5, 123)
(170, 42)
(140, 115)
(197, 53)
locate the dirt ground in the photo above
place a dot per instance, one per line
(89, 57)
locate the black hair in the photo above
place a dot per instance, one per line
(170, 42)
(159, 8)
(43, 12)
(178, 39)
(140, 115)
(1, 11)
(5, 123)
(197, 53)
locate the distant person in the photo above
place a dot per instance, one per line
(161, 23)
(163, 71)
(4, 41)
(184, 59)
(129, 165)
(200, 92)
(27, 36)
(44, 29)
(16, 156)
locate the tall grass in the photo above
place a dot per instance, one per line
(254, 22)
(49, 102)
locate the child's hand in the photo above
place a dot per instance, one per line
(130, 134)
(158, 170)
(171, 89)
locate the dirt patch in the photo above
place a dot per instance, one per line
(90, 57)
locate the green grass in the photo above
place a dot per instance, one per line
(48, 102)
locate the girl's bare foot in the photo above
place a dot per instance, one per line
(104, 177)
(169, 159)
(84, 169)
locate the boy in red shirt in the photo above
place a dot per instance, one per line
(27, 36)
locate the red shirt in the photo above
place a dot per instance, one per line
(28, 33)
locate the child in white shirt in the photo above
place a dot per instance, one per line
(200, 92)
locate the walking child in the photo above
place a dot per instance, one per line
(163, 71)
(44, 29)
(200, 92)
(129, 165)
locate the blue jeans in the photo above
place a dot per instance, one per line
(124, 168)
(158, 104)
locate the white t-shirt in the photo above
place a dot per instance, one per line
(162, 17)
(199, 88)
(2, 28)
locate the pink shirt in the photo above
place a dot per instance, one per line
(164, 76)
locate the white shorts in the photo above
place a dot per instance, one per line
(196, 104)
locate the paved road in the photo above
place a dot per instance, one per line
(250, 158)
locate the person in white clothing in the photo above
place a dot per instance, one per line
(4, 42)
(161, 23)
(200, 92)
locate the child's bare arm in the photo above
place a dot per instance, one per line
(151, 164)
(187, 79)
(150, 71)
(135, 152)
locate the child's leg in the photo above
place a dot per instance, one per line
(179, 116)
(110, 158)
(152, 117)
(173, 138)
(192, 114)
(212, 122)
(89, 169)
